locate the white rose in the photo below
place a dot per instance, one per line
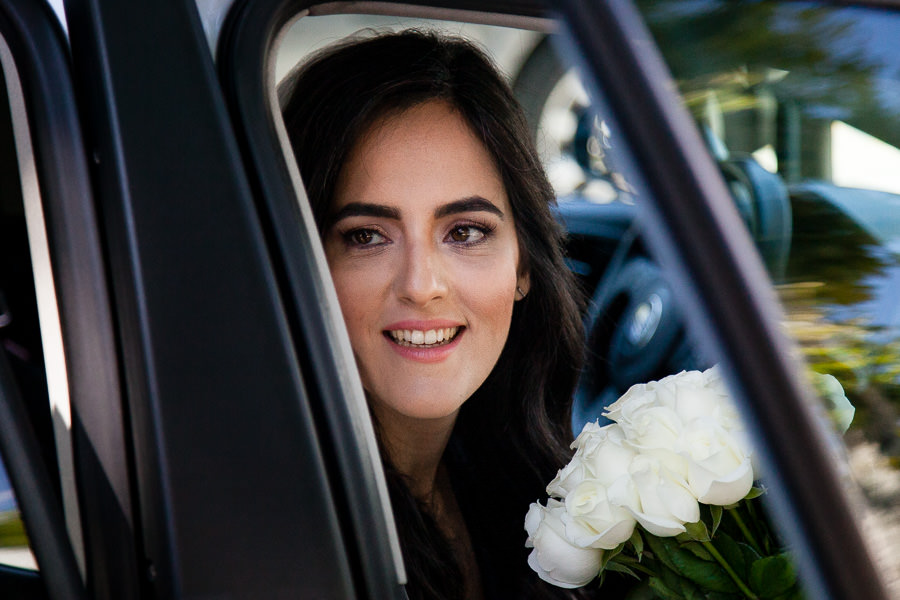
(689, 395)
(601, 454)
(689, 423)
(587, 436)
(569, 477)
(591, 520)
(838, 406)
(719, 467)
(609, 455)
(652, 427)
(554, 559)
(658, 498)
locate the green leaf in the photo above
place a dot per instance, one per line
(637, 542)
(609, 555)
(731, 552)
(697, 531)
(689, 591)
(772, 576)
(660, 551)
(662, 590)
(795, 593)
(620, 568)
(755, 492)
(716, 512)
(750, 555)
(698, 550)
(709, 575)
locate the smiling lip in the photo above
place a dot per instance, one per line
(424, 341)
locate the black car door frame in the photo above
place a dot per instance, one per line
(232, 489)
(92, 449)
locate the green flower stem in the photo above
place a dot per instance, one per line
(767, 542)
(745, 530)
(734, 576)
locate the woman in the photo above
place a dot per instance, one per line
(434, 213)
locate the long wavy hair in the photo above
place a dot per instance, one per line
(512, 435)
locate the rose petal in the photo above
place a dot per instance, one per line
(722, 490)
(557, 561)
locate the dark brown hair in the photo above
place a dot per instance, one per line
(512, 434)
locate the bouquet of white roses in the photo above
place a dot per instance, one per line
(647, 493)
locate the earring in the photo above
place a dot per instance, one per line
(519, 293)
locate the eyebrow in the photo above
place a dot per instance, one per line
(470, 204)
(367, 209)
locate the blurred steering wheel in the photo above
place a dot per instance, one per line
(635, 332)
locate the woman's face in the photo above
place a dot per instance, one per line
(424, 255)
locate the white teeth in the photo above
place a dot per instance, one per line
(415, 337)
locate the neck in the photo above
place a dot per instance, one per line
(415, 447)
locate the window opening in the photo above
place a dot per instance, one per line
(31, 336)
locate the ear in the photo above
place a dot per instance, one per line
(523, 286)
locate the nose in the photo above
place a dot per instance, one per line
(421, 277)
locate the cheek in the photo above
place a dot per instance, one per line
(490, 293)
(358, 296)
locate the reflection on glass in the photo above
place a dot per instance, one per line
(14, 550)
(810, 94)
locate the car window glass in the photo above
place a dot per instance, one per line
(632, 316)
(20, 337)
(14, 550)
(799, 101)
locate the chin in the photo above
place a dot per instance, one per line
(420, 406)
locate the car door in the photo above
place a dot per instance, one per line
(61, 409)
(226, 452)
(220, 444)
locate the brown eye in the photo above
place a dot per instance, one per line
(461, 234)
(466, 234)
(362, 237)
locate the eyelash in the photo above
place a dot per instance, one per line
(486, 230)
(348, 236)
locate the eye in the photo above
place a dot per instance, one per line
(467, 234)
(363, 237)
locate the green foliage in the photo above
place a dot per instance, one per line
(12, 531)
(709, 574)
(609, 555)
(698, 550)
(755, 492)
(727, 555)
(662, 590)
(773, 576)
(697, 532)
(716, 514)
(617, 567)
(637, 543)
